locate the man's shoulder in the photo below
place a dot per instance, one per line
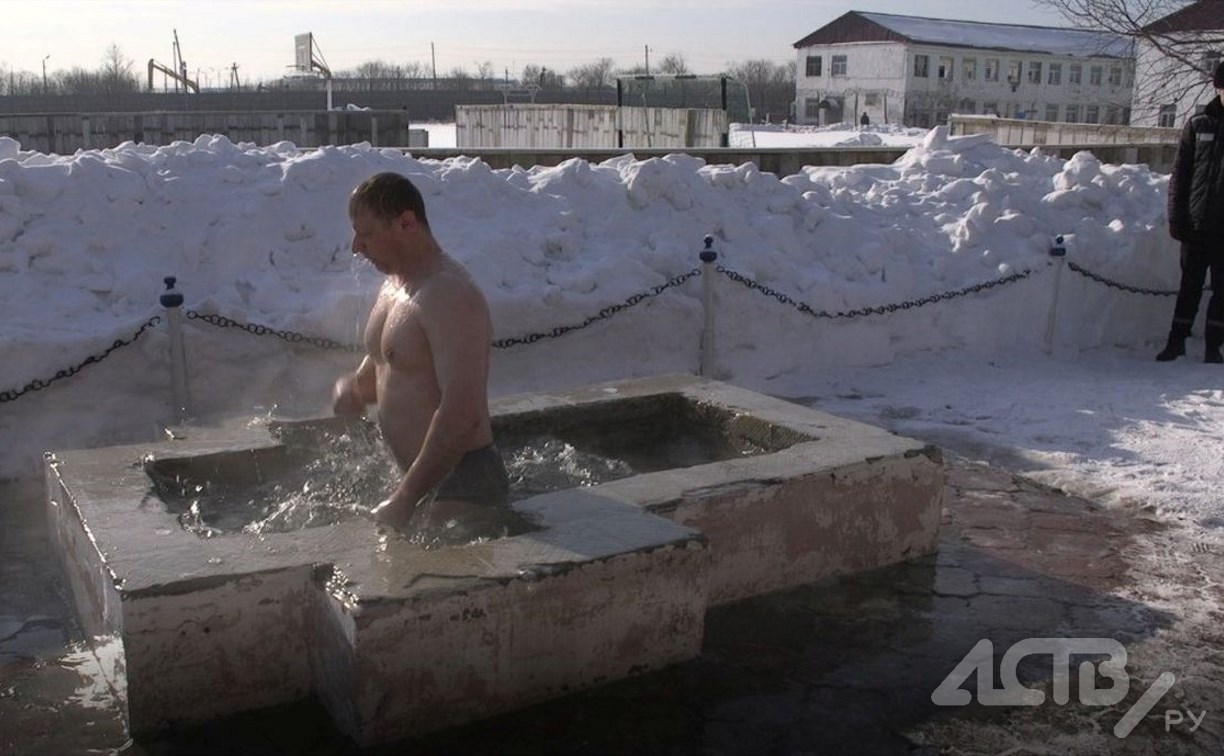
(452, 285)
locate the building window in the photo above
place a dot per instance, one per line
(813, 65)
(837, 65)
(1092, 114)
(1094, 77)
(1075, 74)
(991, 72)
(1168, 116)
(1115, 76)
(1055, 76)
(1034, 73)
(922, 66)
(811, 108)
(872, 99)
(968, 107)
(1051, 113)
(1112, 114)
(1209, 62)
(1072, 113)
(1013, 73)
(990, 108)
(969, 69)
(945, 69)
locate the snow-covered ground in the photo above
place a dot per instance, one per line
(260, 234)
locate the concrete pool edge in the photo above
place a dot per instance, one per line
(854, 497)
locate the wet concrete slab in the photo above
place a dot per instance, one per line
(845, 666)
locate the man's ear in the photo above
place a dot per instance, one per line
(408, 221)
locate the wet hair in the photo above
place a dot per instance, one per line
(387, 195)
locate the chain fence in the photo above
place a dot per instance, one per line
(39, 384)
(1121, 286)
(603, 314)
(221, 321)
(880, 310)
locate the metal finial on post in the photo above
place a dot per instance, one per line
(172, 300)
(708, 259)
(1058, 255)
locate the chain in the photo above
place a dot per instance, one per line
(1122, 286)
(882, 309)
(93, 359)
(603, 314)
(261, 330)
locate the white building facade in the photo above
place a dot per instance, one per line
(1167, 90)
(918, 71)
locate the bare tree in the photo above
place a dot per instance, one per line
(544, 78)
(116, 74)
(771, 86)
(459, 78)
(675, 64)
(594, 75)
(484, 71)
(1176, 65)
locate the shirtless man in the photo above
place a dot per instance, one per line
(427, 358)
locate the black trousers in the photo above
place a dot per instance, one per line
(1195, 262)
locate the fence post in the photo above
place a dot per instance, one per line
(1058, 252)
(172, 300)
(708, 258)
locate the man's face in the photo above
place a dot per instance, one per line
(376, 239)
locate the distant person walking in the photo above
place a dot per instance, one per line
(865, 120)
(1196, 219)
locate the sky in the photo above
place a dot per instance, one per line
(258, 35)
(1051, 374)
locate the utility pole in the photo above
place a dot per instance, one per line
(48, 55)
(434, 60)
(647, 60)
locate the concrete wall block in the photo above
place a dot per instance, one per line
(247, 636)
(426, 666)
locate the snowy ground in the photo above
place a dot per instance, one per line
(260, 235)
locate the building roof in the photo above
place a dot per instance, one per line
(1198, 16)
(858, 26)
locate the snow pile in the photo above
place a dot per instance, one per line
(260, 234)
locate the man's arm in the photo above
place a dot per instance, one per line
(1179, 184)
(456, 323)
(353, 391)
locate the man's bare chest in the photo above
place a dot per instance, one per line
(400, 334)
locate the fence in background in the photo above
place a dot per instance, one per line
(65, 133)
(1017, 132)
(171, 300)
(519, 126)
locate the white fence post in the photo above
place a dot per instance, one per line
(172, 300)
(1058, 252)
(708, 269)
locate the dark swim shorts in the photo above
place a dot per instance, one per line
(480, 478)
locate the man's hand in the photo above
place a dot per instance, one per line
(346, 397)
(394, 512)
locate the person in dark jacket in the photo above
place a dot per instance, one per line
(1196, 219)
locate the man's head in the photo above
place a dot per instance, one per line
(1217, 79)
(389, 225)
(386, 196)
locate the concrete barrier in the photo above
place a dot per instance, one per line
(65, 133)
(788, 161)
(517, 126)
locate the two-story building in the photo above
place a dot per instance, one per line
(1175, 58)
(917, 71)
